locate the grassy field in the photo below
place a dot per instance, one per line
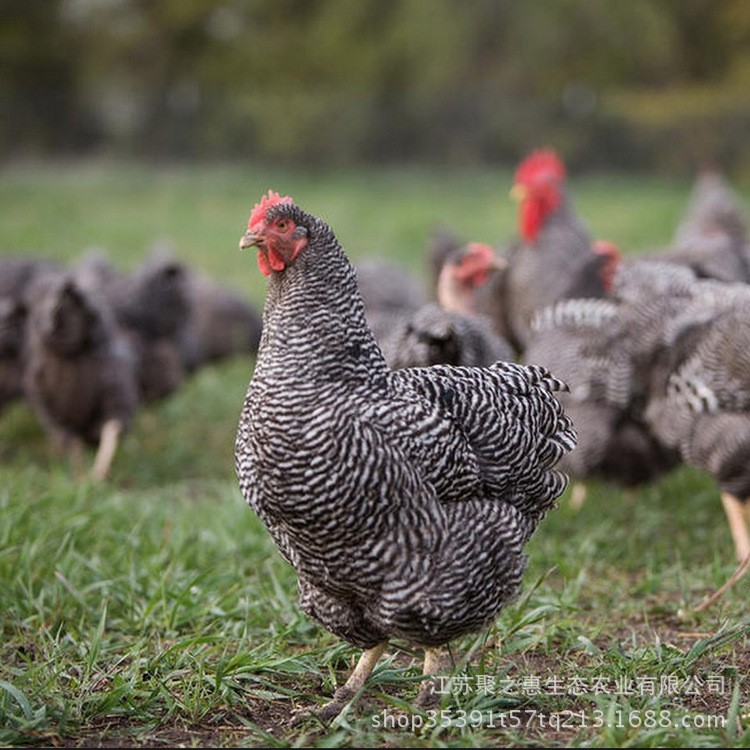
(154, 610)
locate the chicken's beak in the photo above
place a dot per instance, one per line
(518, 192)
(250, 239)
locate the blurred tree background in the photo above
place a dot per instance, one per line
(643, 84)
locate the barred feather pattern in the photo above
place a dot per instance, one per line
(403, 499)
(576, 339)
(703, 404)
(597, 347)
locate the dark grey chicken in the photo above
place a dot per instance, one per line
(16, 275)
(221, 322)
(403, 499)
(152, 307)
(79, 375)
(435, 336)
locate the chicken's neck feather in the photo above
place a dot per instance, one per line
(314, 324)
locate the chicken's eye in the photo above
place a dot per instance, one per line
(282, 225)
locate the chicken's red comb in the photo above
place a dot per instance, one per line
(259, 209)
(541, 163)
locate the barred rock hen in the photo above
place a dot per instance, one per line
(403, 499)
(586, 343)
(79, 376)
(608, 351)
(452, 332)
(553, 260)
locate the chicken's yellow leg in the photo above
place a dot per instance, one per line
(354, 684)
(737, 515)
(434, 667)
(107, 446)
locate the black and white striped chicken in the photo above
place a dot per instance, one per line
(402, 498)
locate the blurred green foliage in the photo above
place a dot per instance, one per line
(641, 84)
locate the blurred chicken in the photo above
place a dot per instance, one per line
(79, 374)
(700, 402)
(221, 323)
(452, 331)
(16, 274)
(152, 308)
(553, 259)
(711, 238)
(587, 342)
(389, 292)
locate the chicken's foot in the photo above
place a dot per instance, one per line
(350, 688)
(434, 666)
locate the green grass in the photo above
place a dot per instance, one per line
(154, 609)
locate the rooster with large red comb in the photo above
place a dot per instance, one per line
(553, 259)
(402, 498)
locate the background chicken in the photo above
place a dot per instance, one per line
(79, 376)
(700, 402)
(152, 309)
(403, 499)
(221, 323)
(389, 292)
(553, 258)
(453, 331)
(587, 343)
(711, 238)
